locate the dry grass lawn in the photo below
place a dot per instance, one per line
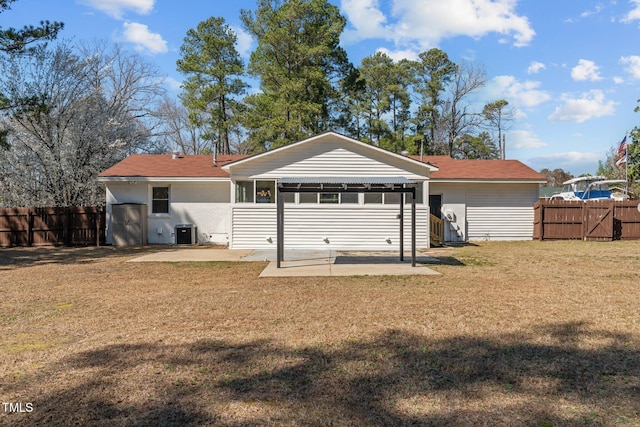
(512, 333)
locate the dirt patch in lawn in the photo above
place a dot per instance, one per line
(511, 333)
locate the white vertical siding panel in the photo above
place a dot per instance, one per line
(361, 228)
(500, 211)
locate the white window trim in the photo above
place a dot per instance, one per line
(296, 201)
(254, 202)
(150, 210)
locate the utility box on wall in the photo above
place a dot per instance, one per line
(129, 224)
(186, 234)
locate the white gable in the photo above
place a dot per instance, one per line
(328, 155)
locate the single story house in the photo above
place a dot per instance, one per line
(231, 199)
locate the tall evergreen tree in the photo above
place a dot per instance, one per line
(496, 114)
(376, 72)
(298, 61)
(350, 110)
(433, 71)
(399, 91)
(214, 73)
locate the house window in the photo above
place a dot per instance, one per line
(289, 197)
(160, 200)
(392, 198)
(329, 198)
(265, 191)
(244, 191)
(348, 198)
(418, 194)
(372, 198)
(308, 197)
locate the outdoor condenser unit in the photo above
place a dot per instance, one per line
(186, 234)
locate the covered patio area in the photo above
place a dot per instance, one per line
(338, 185)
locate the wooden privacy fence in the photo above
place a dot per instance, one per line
(70, 226)
(592, 220)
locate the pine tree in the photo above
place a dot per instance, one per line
(298, 61)
(214, 73)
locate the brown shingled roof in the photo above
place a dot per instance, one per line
(480, 169)
(164, 165)
(201, 166)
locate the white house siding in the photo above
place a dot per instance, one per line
(487, 211)
(500, 211)
(353, 228)
(328, 157)
(454, 201)
(204, 204)
(344, 226)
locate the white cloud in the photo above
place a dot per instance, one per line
(244, 42)
(172, 84)
(523, 139)
(634, 14)
(524, 94)
(116, 8)
(535, 67)
(366, 18)
(397, 55)
(143, 39)
(632, 65)
(596, 10)
(586, 70)
(618, 80)
(588, 106)
(422, 25)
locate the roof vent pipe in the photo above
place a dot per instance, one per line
(175, 155)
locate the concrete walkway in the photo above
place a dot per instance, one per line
(300, 263)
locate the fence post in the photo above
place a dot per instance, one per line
(30, 216)
(67, 226)
(98, 214)
(585, 220)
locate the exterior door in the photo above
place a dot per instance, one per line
(435, 205)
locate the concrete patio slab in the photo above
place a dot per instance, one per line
(304, 268)
(347, 263)
(301, 262)
(194, 254)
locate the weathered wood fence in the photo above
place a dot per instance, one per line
(592, 220)
(70, 226)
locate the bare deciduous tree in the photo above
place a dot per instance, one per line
(179, 132)
(93, 106)
(457, 115)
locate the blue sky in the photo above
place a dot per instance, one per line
(570, 69)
